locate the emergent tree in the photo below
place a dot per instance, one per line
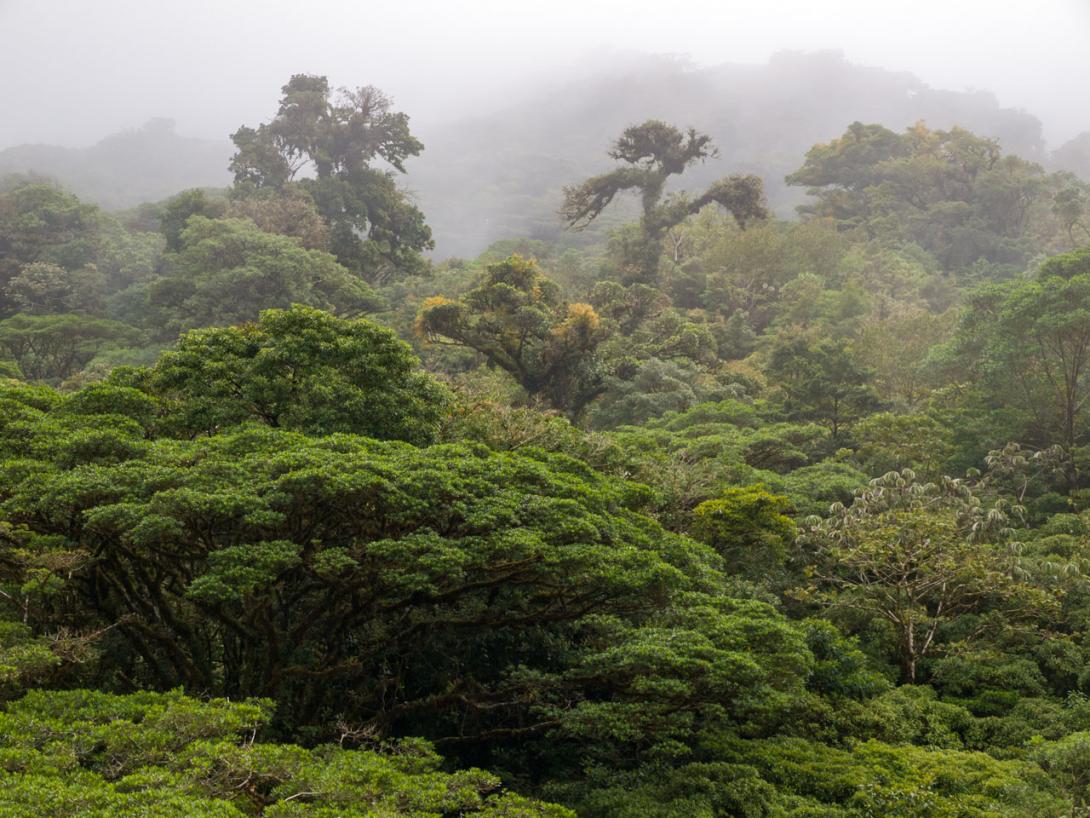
(374, 228)
(651, 153)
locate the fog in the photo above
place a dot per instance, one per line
(72, 71)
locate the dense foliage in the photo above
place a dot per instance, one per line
(163, 754)
(722, 517)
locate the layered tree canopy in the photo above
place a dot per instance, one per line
(226, 267)
(719, 516)
(166, 755)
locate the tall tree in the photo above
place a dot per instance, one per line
(651, 153)
(375, 229)
(917, 556)
(821, 382)
(1027, 344)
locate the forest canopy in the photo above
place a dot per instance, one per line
(708, 512)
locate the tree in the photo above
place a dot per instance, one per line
(88, 255)
(42, 223)
(375, 230)
(887, 442)
(510, 603)
(652, 389)
(747, 269)
(42, 288)
(917, 555)
(951, 192)
(872, 778)
(895, 349)
(1070, 207)
(227, 270)
(289, 212)
(1066, 265)
(821, 382)
(1068, 762)
(1027, 344)
(174, 214)
(51, 348)
(516, 319)
(651, 153)
(299, 369)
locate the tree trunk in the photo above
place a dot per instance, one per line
(908, 656)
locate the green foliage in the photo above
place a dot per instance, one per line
(656, 387)
(896, 348)
(41, 223)
(902, 782)
(702, 608)
(814, 489)
(697, 790)
(24, 658)
(271, 544)
(174, 214)
(227, 270)
(150, 754)
(888, 442)
(1067, 265)
(840, 668)
(1067, 762)
(742, 272)
(916, 556)
(51, 348)
(59, 254)
(290, 211)
(109, 399)
(950, 192)
(1029, 341)
(298, 369)
(42, 288)
(821, 382)
(749, 527)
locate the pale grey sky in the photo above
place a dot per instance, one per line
(72, 71)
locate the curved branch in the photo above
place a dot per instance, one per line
(583, 203)
(743, 196)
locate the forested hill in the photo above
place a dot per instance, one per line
(500, 174)
(143, 164)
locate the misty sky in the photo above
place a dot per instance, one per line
(72, 71)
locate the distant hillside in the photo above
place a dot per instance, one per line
(500, 175)
(127, 168)
(1074, 156)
